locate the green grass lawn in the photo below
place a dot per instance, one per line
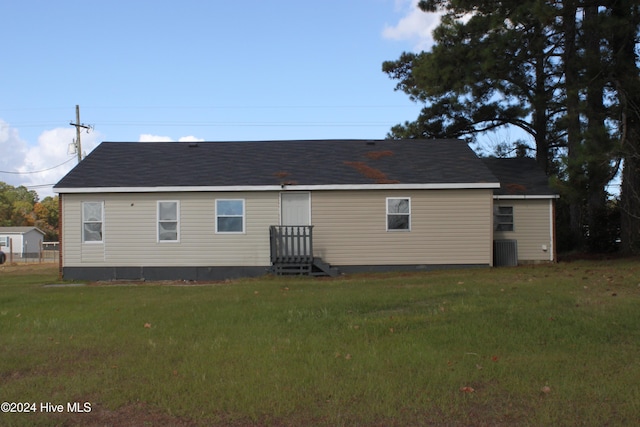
(541, 345)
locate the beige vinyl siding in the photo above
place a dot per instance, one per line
(531, 228)
(131, 234)
(71, 224)
(447, 227)
(350, 228)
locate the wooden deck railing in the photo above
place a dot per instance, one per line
(291, 244)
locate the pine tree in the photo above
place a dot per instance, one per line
(565, 72)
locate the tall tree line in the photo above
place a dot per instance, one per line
(20, 207)
(565, 72)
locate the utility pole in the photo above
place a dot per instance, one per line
(78, 125)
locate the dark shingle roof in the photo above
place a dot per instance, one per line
(261, 163)
(519, 176)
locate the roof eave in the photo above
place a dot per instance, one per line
(235, 188)
(525, 196)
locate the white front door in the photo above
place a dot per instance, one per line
(295, 209)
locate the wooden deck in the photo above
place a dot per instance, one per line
(292, 252)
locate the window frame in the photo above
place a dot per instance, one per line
(218, 216)
(497, 216)
(408, 215)
(176, 221)
(85, 221)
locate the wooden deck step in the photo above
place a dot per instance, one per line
(321, 268)
(315, 268)
(292, 269)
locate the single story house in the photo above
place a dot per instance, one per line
(217, 210)
(21, 242)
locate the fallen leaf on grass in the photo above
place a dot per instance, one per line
(467, 389)
(347, 357)
(147, 325)
(546, 389)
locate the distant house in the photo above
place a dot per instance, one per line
(216, 210)
(21, 242)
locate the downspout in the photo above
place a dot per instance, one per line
(491, 229)
(60, 236)
(552, 208)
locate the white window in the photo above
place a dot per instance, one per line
(398, 214)
(168, 221)
(230, 216)
(503, 218)
(92, 221)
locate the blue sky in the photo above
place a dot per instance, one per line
(196, 70)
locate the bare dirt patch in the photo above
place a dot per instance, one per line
(133, 415)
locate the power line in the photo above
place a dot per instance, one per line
(223, 107)
(219, 124)
(40, 171)
(249, 124)
(36, 186)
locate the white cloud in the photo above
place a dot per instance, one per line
(39, 166)
(415, 26)
(145, 137)
(51, 159)
(190, 139)
(12, 150)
